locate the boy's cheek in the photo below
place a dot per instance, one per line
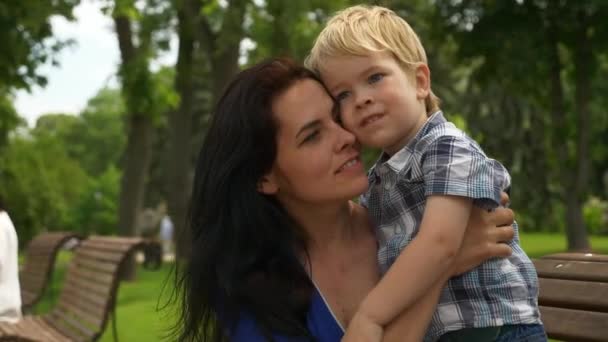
(347, 123)
(346, 116)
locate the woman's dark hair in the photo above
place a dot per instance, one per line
(245, 247)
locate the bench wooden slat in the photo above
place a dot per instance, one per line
(591, 257)
(31, 329)
(574, 294)
(116, 240)
(97, 265)
(88, 285)
(575, 325)
(32, 280)
(85, 305)
(85, 318)
(7, 329)
(107, 246)
(572, 270)
(27, 295)
(101, 278)
(93, 298)
(51, 333)
(67, 325)
(113, 257)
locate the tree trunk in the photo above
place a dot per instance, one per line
(137, 154)
(180, 133)
(559, 118)
(132, 187)
(583, 60)
(223, 58)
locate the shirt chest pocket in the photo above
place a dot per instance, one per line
(411, 188)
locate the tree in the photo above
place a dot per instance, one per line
(9, 119)
(99, 138)
(95, 211)
(33, 174)
(542, 40)
(217, 32)
(27, 39)
(139, 38)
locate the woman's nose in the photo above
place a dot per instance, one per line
(345, 138)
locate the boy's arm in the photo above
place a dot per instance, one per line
(412, 324)
(423, 262)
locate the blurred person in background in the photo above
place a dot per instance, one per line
(10, 293)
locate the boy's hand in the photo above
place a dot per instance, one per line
(362, 329)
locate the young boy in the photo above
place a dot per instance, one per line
(423, 186)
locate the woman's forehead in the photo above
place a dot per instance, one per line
(304, 100)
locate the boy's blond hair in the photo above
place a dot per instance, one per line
(359, 30)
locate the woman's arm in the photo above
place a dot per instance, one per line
(483, 240)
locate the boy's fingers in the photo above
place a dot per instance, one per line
(502, 234)
(501, 250)
(504, 217)
(504, 199)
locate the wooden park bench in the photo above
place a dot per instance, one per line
(87, 296)
(574, 296)
(37, 270)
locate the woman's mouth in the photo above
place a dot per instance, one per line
(355, 162)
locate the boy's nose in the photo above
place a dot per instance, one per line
(363, 99)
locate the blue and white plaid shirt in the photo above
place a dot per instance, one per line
(443, 160)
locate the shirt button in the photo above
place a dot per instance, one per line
(387, 185)
(398, 230)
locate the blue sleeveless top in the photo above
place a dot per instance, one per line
(319, 320)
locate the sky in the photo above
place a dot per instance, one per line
(83, 69)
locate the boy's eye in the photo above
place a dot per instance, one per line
(342, 95)
(375, 78)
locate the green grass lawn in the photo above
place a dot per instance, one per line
(137, 316)
(538, 244)
(139, 320)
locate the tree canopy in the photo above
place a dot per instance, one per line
(525, 78)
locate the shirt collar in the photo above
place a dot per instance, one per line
(398, 161)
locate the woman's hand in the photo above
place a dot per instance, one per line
(485, 237)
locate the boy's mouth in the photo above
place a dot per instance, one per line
(371, 119)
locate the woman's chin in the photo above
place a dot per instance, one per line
(360, 186)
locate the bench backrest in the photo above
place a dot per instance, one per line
(90, 286)
(574, 296)
(37, 269)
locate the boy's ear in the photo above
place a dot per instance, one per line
(267, 184)
(423, 81)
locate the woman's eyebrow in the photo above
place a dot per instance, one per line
(308, 126)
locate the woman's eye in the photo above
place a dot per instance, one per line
(375, 78)
(341, 96)
(311, 137)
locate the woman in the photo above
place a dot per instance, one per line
(278, 250)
